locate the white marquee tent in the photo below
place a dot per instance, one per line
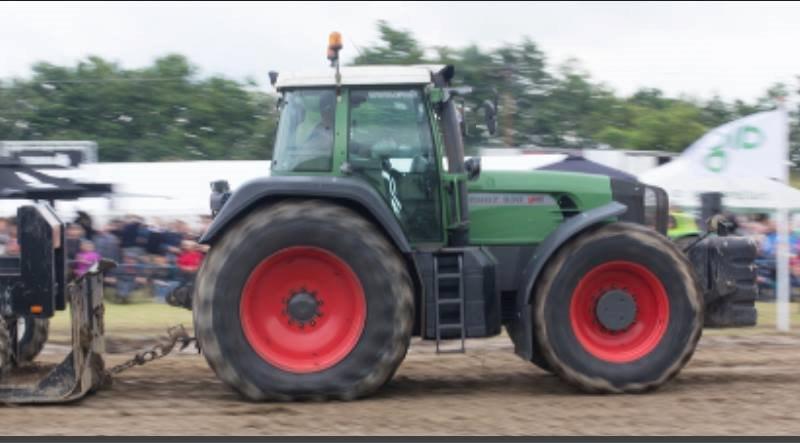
(161, 189)
(684, 187)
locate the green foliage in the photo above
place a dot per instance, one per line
(565, 107)
(397, 47)
(167, 112)
(161, 112)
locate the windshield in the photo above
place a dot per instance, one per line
(391, 125)
(304, 142)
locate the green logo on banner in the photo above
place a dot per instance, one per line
(745, 137)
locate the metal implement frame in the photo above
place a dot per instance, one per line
(82, 371)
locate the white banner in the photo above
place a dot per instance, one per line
(756, 145)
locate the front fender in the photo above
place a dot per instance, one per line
(349, 191)
(521, 328)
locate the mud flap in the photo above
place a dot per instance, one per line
(82, 371)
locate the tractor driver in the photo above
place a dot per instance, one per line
(320, 139)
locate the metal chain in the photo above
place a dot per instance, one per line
(177, 334)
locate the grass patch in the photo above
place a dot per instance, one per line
(140, 317)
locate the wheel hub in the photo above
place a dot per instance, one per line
(616, 310)
(303, 307)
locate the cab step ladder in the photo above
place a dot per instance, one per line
(448, 280)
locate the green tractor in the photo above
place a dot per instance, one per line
(372, 228)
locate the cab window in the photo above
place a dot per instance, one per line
(304, 142)
(390, 145)
(390, 125)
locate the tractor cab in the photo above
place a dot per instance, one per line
(384, 125)
(376, 125)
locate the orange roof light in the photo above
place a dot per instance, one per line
(335, 41)
(334, 45)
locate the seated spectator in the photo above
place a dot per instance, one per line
(130, 236)
(172, 238)
(12, 247)
(5, 234)
(189, 260)
(129, 277)
(74, 235)
(155, 239)
(86, 258)
(163, 278)
(769, 242)
(794, 271)
(84, 220)
(107, 244)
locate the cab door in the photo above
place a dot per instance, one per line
(390, 145)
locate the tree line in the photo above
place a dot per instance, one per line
(166, 111)
(161, 112)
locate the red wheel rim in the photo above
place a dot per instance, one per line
(311, 345)
(650, 321)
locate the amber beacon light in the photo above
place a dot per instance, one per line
(334, 46)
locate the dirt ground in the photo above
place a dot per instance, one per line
(734, 385)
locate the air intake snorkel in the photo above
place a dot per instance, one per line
(454, 149)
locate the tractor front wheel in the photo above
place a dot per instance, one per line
(618, 309)
(31, 336)
(303, 300)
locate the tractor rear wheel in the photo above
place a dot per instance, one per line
(31, 336)
(303, 300)
(618, 309)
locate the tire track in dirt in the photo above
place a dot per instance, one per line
(747, 385)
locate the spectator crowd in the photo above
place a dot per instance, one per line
(153, 256)
(764, 229)
(159, 256)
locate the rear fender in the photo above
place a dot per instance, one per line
(346, 190)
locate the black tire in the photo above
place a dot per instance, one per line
(32, 338)
(537, 357)
(5, 348)
(380, 270)
(684, 242)
(638, 248)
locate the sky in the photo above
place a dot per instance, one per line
(734, 49)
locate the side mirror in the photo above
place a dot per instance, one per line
(490, 116)
(273, 78)
(473, 168)
(220, 192)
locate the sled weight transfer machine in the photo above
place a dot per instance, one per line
(34, 285)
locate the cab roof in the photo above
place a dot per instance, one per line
(361, 75)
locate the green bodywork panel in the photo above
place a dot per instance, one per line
(516, 207)
(683, 225)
